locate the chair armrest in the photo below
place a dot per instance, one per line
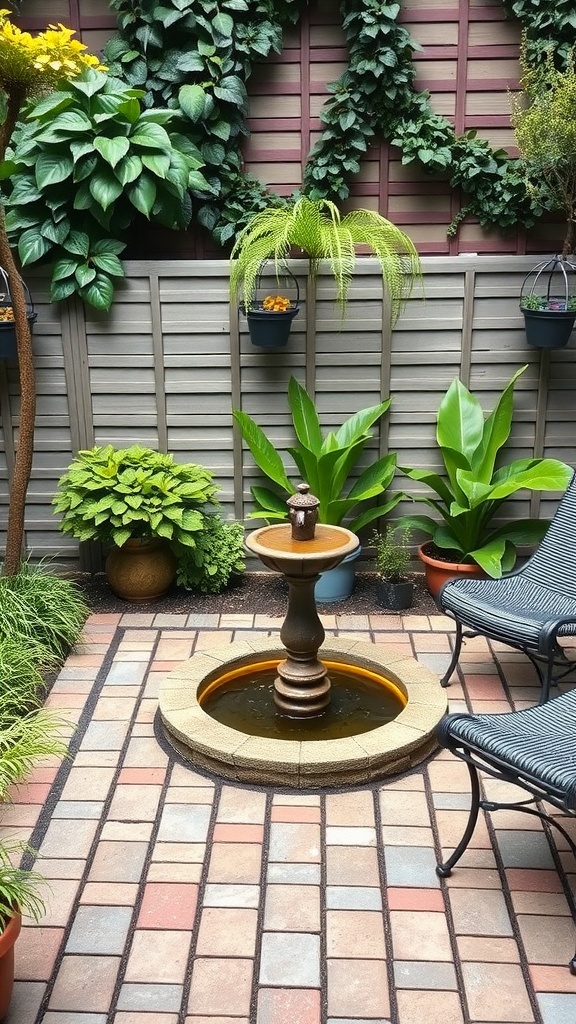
(549, 632)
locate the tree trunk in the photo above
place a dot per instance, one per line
(25, 449)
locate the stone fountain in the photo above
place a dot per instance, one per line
(258, 712)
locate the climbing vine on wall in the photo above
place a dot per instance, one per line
(197, 55)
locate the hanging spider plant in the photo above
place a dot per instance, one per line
(317, 228)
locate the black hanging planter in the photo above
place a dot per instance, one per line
(548, 306)
(270, 319)
(8, 347)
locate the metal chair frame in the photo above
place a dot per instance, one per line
(545, 660)
(544, 590)
(478, 759)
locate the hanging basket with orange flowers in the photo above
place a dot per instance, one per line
(270, 318)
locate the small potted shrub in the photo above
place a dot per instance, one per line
(141, 502)
(392, 554)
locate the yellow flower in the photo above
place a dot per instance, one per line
(30, 64)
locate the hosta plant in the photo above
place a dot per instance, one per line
(325, 463)
(114, 494)
(87, 160)
(469, 494)
(317, 229)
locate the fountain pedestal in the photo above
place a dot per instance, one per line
(302, 687)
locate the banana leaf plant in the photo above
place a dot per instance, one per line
(325, 463)
(472, 489)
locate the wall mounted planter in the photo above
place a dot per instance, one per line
(548, 304)
(269, 329)
(270, 319)
(8, 347)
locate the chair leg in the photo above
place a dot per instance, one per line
(445, 681)
(444, 870)
(546, 679)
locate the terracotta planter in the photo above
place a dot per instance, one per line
(439, 570)
(140, 570)
(7, 940)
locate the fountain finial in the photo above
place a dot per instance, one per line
(303, 513)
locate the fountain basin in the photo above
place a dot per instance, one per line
(276, 548)
(301, 763)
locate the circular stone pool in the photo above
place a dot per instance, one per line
(298, 761)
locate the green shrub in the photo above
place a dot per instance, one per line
(217, 555)
(112, 494)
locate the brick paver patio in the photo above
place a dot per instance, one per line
(176, 898)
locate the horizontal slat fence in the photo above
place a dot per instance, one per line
(172, 359)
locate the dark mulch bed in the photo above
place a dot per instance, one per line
(252, 592)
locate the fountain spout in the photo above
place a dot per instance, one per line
(303, 513)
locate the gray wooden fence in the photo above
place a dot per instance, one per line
(172, 359)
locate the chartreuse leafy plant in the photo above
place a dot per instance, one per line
(325, 463)
(87, 161)
(112, 494)
(317, 228)
(472, 489)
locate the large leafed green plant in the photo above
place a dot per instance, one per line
(316, 228)
(112, 494)
(325, 463)
(87, 161)
(472, 489)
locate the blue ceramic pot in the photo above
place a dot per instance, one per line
(337, 584)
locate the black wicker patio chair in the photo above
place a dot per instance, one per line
(527, 609)
(535, 749)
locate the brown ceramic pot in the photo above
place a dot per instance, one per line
(439, 570)
(141, 570)
(7, 940)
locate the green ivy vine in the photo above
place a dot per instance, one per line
(197, 55)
